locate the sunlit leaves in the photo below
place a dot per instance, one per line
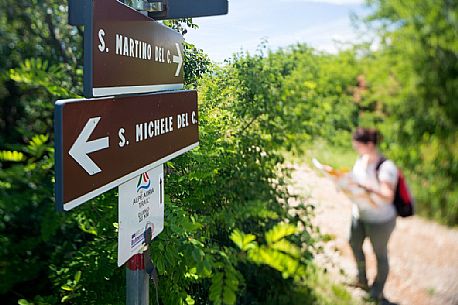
(234, 179)
(243, 241)
(279, 253)
(37, 146)
(86, 224)
(280, 231)
(11, 156)
(412, 90)
(224, 286)
(36, 73)
(70, 288)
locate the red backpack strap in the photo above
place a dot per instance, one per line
(404, 192)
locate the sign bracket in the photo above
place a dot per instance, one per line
(146, 5)
(176, 9)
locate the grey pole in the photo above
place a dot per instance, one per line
(137, 281)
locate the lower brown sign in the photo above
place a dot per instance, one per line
(102, 143)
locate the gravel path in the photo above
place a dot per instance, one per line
(423, 255)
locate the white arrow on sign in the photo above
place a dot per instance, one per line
(82, 147)
(178, 59)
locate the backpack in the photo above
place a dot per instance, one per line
(403, 200)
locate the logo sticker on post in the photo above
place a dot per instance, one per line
(141, 208)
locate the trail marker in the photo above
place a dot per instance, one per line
(102, 143)
(114, 141)
(141, 207)
(125, 51)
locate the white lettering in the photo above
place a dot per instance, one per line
(118, 44)
(149, 51)
(151, 129)
(145, 128)
(162, 126)
(138, 133)
(131, 47)
(171, 123)
(136, 48)
(156, 127)
(102, 42)
(122, 139)
(193, 118)
(144, 50)
(159, 54)
(126, 46)
(185, 118)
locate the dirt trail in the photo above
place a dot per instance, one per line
(423, 255)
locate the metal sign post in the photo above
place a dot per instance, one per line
(103, 143)
(141, 218)
(137, 281)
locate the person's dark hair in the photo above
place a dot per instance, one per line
(367, 135)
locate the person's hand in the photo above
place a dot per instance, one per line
(328, 168)
(365, 187)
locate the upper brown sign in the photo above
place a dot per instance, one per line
(101, 143)
(128, 52)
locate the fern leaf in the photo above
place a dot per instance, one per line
(11, 156)
(280, 231)
(243, 241)
(285, 246)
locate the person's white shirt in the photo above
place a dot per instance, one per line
(381, 209)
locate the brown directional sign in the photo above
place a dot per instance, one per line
(101, 143)
(125, 51)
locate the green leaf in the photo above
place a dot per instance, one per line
(216, 288)
(243, 241)
(37, 145)
(77, 276)
(229, 296)
(12, 156)
(280, 231)
(189, 300)
(67, 287)
(287, 247)
(65, 298)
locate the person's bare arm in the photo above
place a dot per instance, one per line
(385, 191)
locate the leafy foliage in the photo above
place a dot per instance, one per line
(234, 180)
(412, 89)
(230, 236)
(40, 60)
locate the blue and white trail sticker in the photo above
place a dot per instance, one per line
(140, 206)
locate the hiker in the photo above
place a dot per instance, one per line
(375, 218)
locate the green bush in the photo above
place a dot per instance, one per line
(233, 182)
